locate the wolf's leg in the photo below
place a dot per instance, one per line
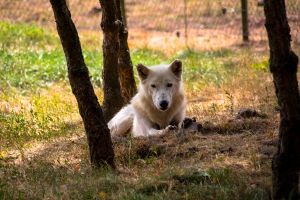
(122, 121)
(178, 118)
(142, 126)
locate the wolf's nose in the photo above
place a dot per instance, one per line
(163, 105)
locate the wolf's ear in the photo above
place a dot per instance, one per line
(176, 67)
(143, 71)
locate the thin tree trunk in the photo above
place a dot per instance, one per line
(123, 12)
(113, 100)
(98, 135)
(283, 65)
(126, 75)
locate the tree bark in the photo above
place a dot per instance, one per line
(126, 75)
(113, 100)
(98, 134)
(123, 12)
(283, 65)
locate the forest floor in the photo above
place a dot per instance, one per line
(44, 152)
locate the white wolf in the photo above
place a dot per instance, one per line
(158, 106)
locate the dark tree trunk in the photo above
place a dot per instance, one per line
(98, 135)
(123, 12)
(283, 65)
(113, 100)
(126, 75)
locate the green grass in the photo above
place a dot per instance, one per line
(32, 69)
(207, 67)
(32, 57)
(23, 37)
(44, 152)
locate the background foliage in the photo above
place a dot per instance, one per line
(191, 17)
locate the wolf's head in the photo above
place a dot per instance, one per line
(160, 83)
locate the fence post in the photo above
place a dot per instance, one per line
(185, 23)
(245, 20)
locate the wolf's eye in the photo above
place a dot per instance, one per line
(153, 86)
(169, 85)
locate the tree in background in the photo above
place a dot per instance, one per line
(110, 25)
(283, 65)
(126, 75)
(98, 134)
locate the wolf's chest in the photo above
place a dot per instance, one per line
(161, 120)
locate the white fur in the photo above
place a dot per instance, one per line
(159, 103)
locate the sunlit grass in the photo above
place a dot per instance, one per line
(42, 115)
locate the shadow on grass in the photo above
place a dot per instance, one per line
(60, 169)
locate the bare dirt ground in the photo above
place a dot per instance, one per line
(196, 19)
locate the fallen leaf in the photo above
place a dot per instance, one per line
(76, 167)
(2, 155)
(102, 194)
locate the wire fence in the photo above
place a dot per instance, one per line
(181, 17)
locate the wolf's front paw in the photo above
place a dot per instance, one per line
(187, 121)
(171, 128)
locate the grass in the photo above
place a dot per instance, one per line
(44, 152)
